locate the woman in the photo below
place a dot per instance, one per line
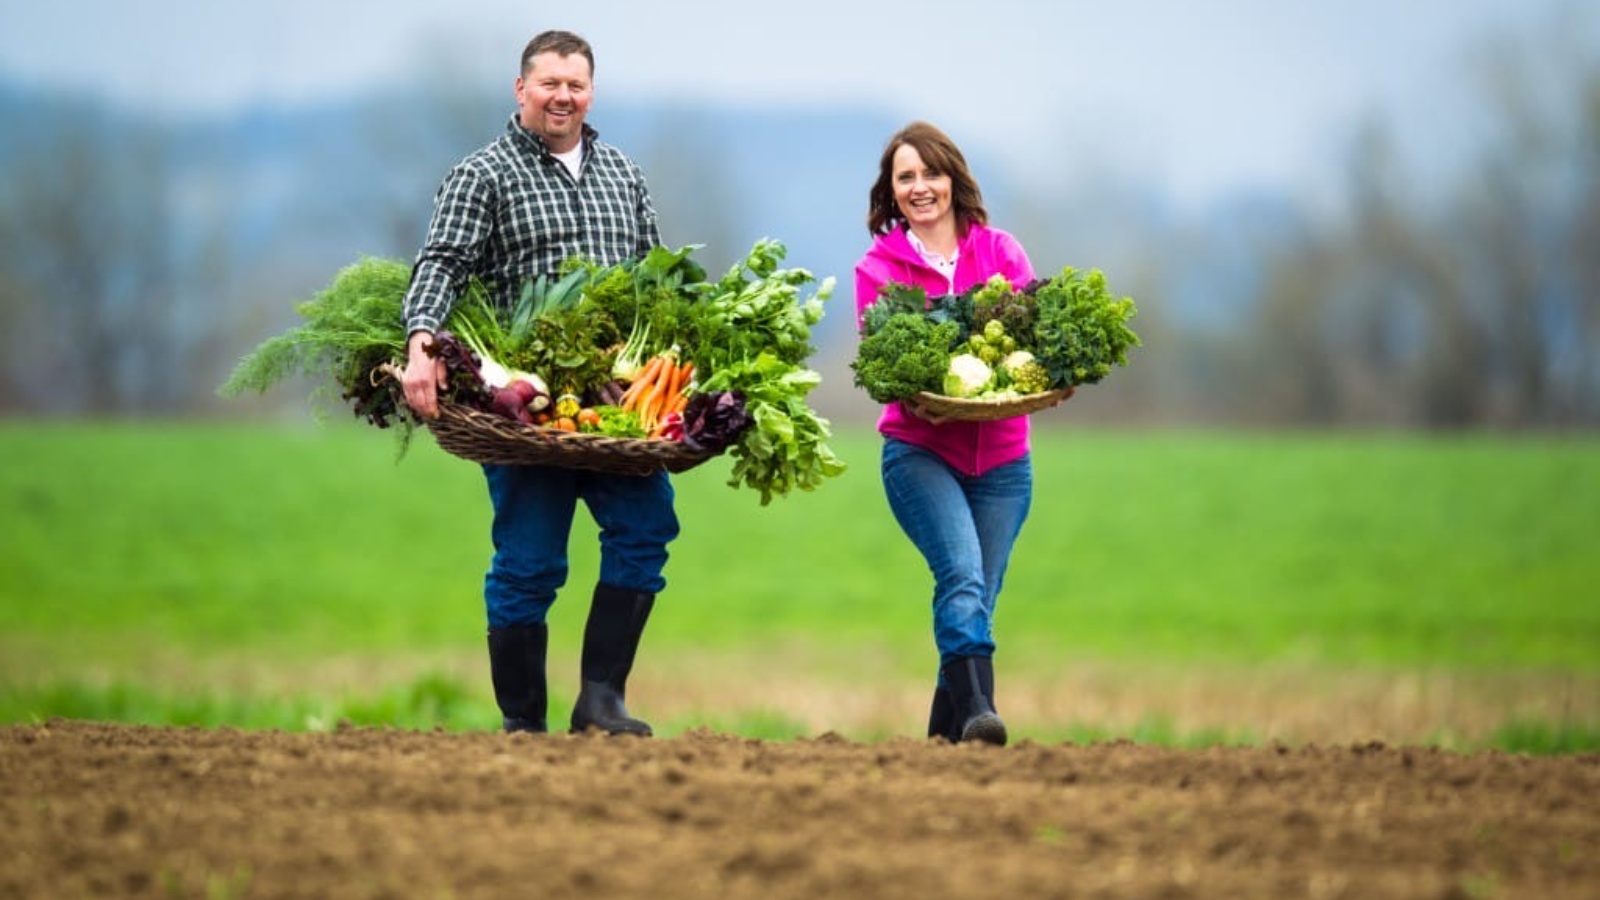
(959, 489)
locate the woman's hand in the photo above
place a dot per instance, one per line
(1070, 390)
(923, 413)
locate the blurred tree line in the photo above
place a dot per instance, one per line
(140, 256)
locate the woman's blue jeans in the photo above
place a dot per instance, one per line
(965, 527)
(533, 510)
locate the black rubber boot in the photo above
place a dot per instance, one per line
(610, 640)
(516, 666)
(971, 683)
(941, 715)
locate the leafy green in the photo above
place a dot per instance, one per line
(347, 330)
(899, 298)
(756, 307)
(1082, 328)
(1072, 325)
(786, 449)
(648, 296)
(907, 354)
(543, 296)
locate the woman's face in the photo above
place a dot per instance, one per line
(922, 193)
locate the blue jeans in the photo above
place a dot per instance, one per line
(533, 509)
(965, 527)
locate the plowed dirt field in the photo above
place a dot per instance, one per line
(91, 810)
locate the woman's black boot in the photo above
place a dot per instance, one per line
(941, 715)
(971, 683)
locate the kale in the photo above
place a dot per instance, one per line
(1081, 330)
(896, 299)
(907, 353)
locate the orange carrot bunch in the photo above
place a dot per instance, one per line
(660, 389)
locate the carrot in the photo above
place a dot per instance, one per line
(681, 378)
(641, 384)
(652, 369)
(679, 394)
(669, 374)
(647, 394)
(653, 408)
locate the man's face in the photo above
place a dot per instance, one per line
(554, 96)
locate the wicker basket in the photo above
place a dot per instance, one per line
(489, 438)
(981, 410)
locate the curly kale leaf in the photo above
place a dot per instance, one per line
(908, 353)
(895, 299)
(1082, 330)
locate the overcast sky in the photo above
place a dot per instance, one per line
(1202, 97)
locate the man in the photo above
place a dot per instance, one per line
(546, 190)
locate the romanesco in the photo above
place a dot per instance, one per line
(1026, 374)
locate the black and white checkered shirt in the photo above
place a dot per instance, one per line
(512, 211)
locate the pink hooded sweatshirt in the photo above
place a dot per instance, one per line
(972, 448)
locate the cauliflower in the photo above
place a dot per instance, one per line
(1028, 375)
(1015, 358)
(967, 376)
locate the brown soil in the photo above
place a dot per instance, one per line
(93, 810)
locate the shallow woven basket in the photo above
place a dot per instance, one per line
(489, 438)
(986, 410)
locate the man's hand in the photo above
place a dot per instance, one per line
(423, 377)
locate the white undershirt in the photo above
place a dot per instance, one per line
(572, 159)
(944, 266)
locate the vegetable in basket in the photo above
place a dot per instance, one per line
(967, 376)
(994, 341)
(908, 354)
(713, 420)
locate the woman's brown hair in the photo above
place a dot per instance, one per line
(939, 153)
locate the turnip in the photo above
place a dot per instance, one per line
(532, 397)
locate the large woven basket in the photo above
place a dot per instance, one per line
(986, 410)
(489, 438)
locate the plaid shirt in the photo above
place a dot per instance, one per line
(512, 211)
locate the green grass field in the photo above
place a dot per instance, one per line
(1183, 588)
